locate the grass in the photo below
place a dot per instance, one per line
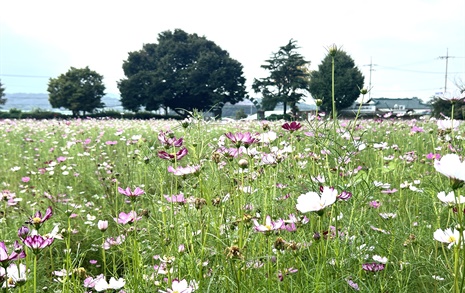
(209, 239)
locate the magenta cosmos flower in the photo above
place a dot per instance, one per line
(5, 258)
(245, 139)
(168, 140)
(373, 267)
(138, 191)
(38, 219)
(269, 225)
(293, 126)
(37, 242)
(173, 156)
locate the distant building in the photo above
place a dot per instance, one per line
(406, 106)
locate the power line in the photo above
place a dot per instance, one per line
(22, 75)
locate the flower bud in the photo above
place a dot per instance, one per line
(102, 225)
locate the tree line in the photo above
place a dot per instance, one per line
(183, 72)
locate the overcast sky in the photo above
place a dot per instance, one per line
(406, 41)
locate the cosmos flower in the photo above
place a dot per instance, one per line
(102, 225)
(447, 124)
(291, 127)
(16, 275)
(167, 139)
(99, 283)
(102, 285)
(6, 258)
(451, 166)
(269, 225)
(450, 236)
(37, 242)
(179, 198)
(450, 198)
(130, 218)
(137, 191)
(181, 171)
(37, 220)
(313, 202)
(111, 241)
(373, 267)
(245, 139)
(453, 97)
(180, 287)
(173, 157)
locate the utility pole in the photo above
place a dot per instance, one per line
(369, 84)
(447, 63)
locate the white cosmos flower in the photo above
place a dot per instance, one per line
(450, 236)
(450, 198)
(447, 124)
(451, 166)
(381, 259)
(102, 285)
(268, 137)
(312, 202)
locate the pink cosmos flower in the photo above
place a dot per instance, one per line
(416, 129)
(61, 159)
(182, 171)
(102, 225)
(286, 272)
(293, 126)
(374, 204)
(173, 157)
(431, 156)
(269, 225)
(37, 220)
(353, 285)
(179, 198)
(130, 218)
(37, 242)
(25, 179)
(240, 138)
(5, 259)
(111, 241)
(138, 191)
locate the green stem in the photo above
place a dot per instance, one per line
(35, 273)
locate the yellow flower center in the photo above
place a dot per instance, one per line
(268, 227)
(451, 239)
(36, 220)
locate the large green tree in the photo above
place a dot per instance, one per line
(79, 89)
(181, 72)
(2, 94)
(288, 80)
(348, 80)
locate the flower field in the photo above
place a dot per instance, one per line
(115, 205)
